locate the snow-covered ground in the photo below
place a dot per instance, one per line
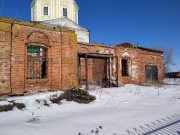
(172, 81)
(129, 110)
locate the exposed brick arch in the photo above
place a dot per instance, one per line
(152, 58)
(38, 37)
(151, 64)
(83, 50)
(126, 54)
(107, 51)
(126, 58)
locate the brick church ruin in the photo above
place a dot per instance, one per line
(54, 53)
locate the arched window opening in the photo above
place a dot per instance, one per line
(125, 67)
(36, 62)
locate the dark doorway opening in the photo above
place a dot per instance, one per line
(151, 73)
(124, 64)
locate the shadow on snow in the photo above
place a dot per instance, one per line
(166, 126)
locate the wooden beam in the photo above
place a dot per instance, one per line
(79, 70)
(86, 70)
(109, 70)
(117, 75)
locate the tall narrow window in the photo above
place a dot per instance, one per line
(65, 12)
(124, 65)
(75, 17)
(46, 11)
(36, 62)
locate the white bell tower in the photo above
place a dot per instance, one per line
(42, 10)
(59, 13)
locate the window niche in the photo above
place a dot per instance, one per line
(125, 67)
(36, 62)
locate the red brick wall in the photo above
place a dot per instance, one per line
(62, 61)
(96, 71)
(69, 60)
(97, 68)
(5, 53)
(22, 36)
(138, 59)
(61, 57)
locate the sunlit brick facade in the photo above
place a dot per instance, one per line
(35, 57)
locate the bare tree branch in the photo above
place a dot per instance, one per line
(167, 59)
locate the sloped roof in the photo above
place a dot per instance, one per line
(65, 22)
(130, 45)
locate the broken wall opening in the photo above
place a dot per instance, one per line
(151, 73)
(96, 69)
(36, 62)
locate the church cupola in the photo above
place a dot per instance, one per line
(42, 10)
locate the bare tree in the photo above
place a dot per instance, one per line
(167, 59)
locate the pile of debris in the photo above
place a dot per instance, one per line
(76, 95)
(11, 106)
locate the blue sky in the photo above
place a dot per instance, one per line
(144, 22)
